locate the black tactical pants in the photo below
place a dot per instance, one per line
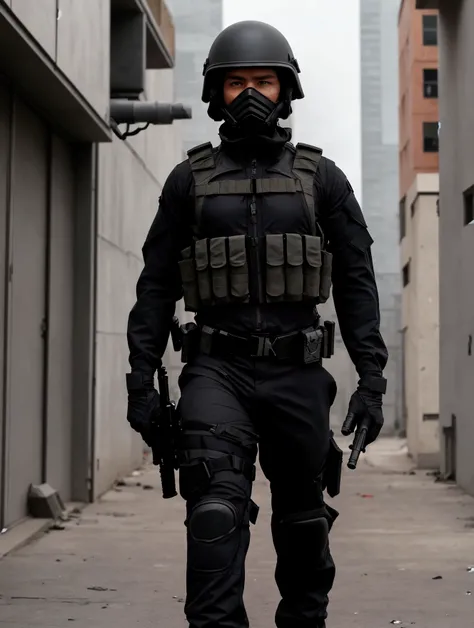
(227, 407)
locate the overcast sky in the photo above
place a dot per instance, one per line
(324, 35)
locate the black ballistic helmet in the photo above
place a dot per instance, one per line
(249, 44)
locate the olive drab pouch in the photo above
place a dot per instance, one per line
(189, 279)
(275, 267)
(218, 262)
(203, 271)
(312, 266)
(294, 267)
(238, 267)
(326, 272)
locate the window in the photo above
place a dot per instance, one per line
(430, 30)
(430, 83)
(430, 137)
(469, 205)
(406, 274)
(403, 218)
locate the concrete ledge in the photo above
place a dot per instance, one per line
(28, 530)
(38, 79)
(428, 461)
(21, 534)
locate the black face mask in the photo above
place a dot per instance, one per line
(252, 112)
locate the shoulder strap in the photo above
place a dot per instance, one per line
(202, 161)
(305, 166)
(201, 157)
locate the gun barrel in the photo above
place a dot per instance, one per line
(358, 446)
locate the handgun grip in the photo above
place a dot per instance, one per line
(168, 484)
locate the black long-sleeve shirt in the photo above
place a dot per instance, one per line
(354, 287)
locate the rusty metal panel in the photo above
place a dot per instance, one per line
(25, 360)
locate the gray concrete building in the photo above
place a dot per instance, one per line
(456, 244)
(379, 90)
(76, 203)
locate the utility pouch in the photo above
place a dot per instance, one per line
(312, 267)
(312, 345)
(294, 267)
(239, 271)
(218, 258)
(189, 280)
(275, 267)
(202, 269)
(333, 470)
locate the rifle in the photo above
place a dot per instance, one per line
(358, 445)
(167, 426)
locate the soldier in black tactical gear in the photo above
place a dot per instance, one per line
(252, 233)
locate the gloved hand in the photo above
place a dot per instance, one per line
(366, 403)
(143, 402)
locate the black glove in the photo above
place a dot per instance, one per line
(143, 403)
(366, 403)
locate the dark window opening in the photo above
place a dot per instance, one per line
(431, 417)
(406, 274)
(402, 218)
(469, 205)
(430, 30)
(430, 83)
(430, 137)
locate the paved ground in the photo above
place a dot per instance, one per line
(403, 544)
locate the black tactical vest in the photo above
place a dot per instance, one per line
(256, 235)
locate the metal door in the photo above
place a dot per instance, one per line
(26, 311)
(5, 105)
(59, 405)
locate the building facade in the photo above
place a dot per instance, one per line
(456, 250)
(378, 37)
(418, 229)
(76, 203)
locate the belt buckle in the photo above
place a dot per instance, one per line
(264, 347)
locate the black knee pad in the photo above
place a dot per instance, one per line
(214, 529)
(302, 536)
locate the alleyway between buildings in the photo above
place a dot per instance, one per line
(404, 546)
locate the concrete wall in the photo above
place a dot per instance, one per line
(420, 320)
(76, 35)
(457, 239)
(131, 175)
(378, 22)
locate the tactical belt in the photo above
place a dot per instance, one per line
(308, 346)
